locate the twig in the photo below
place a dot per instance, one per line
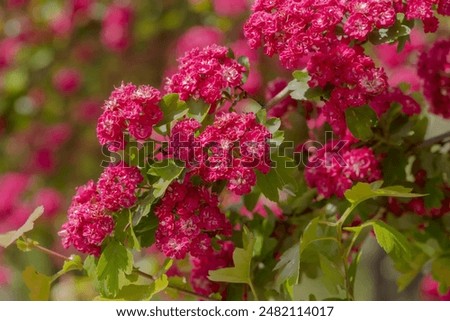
(434, 140)
(278, 98)
(151, 277)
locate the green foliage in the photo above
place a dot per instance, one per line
(173, 108)
(299, 85)
(360, 121)
(115, 261)
(135, 292)
(364, 191)
(166, 172)
(10, 237)
(38, 284)
(242, 258)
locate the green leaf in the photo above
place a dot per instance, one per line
(242, 258)
(10, 237)
(273, 124)
(353, 269)
(298, 88)
(198, 110)
(167, 171)
(364, 191)
(433, 187)
(301, 75)
(173, 108)
(360, 121)
(38, 284)
(250, 106)
(392, 241)
(269, 184)
(288, 266)
(332, 277)
(145, 230)
(115, 261)
(135, 292)
(440, 270)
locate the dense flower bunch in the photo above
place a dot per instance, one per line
(382, 103)
(203, 264)
(230, 149)
(434, 69)
(205, 74)
(294, 29)
(189, 218)
(354, 78)
(129, 108)
(333, 172)
(89, 220)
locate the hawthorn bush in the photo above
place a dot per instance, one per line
(248, 150)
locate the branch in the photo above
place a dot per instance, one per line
(151, 277)
(434, 140)
(278, 98)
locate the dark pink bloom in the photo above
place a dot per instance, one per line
(88, 221)
(333, 170)
(205, 74)
(116, 25)
(230, 8)
(201, 266)
(117, 186)
(429, 290)
(433, 68)
(188, 218)
(67, 80)
(129, 108)
(51, 199)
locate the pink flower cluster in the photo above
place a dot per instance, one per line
(129, 108)
(189, 217)
(89, 220)
(434, 69)
(116, 25)
(67, 80)
(333, 172)
(296, 28)
(230, 149)
(203, 264)
(382, 103)
(205, 74)
(429, 290)
(18, 199)
(354, 78)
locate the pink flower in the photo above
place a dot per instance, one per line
(205, 74)
(433, 68)
(334, 168)
(129, 108)
(203, 264)
(117, 186)
(198, 37)
(9, 48)
(5, 275)
(51, 199)
(444, 7)
(62, 24)
(429, 290)
(88, 221)
(116, 24)
(188, 218)
(230, 8)
(12, 186)
(67, 80)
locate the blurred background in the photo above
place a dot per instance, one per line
(59, 60)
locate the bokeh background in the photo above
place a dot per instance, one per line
(59, 60)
